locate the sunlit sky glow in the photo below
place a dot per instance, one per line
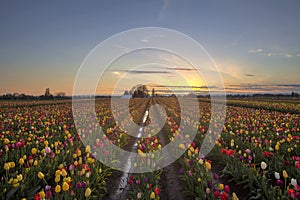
(255, 44)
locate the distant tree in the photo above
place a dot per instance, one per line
(140, 91)
(60, 94)
(126, 92)
(47, 92)
(294, 94)
(153, 92)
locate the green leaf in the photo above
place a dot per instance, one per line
(12, 192)
(30, 193)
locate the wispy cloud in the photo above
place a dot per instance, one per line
(234, 42)
(180, 69)
(249, 75)
(142, 72)
(166, 4)
(123, 48)
(256, 50)
(144, 40)
(184, 86)
(269, 53)
(263, 88)
(151, 37)
(288, 55)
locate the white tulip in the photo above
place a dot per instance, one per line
(277, 175)
(263, 165)
(294, 182)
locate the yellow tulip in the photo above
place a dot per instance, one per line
(20, 177)
(6, 166)
(208, 165)
(181, 146)
(16, 185)
(57, 179)
(159, 147)
(284, 174)
(57, 172)
(15, 181)
(234, 197)
(42, 194)
(65, 186)
(88, 192)
(200, 161)
(152, 195)
(78, 152)
(6, 141)
(21, 161)
(57, 189)
(41, 175)
(221, 186)
(88, 149)
(11, 164)
(33, 150)
(64, 173)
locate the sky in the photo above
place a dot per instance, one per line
(255, 44)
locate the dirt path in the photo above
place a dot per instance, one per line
(171, 185)
(118, 186)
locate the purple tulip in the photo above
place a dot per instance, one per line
(78, 185)
(279, 182)
(209, 184)
(83, 184)
(47, 187)
(181, 171)
(216, 177)
(71, 167)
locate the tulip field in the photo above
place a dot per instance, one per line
(256, 156)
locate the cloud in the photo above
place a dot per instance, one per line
(288, 55)
(263, 88)
(180, 69)
(256, 50)
(269, 54)
(122, 48)
(166, 4)
(234, 42)
(143, 71)
(249, 74)
(183, 91)
(185, 86)
(117, 73)
(265, 52)
(289, 85)
(144, 40)
(148, 39)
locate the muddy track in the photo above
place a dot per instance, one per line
(118, 187)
